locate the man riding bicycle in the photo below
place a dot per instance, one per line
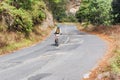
(57, 33)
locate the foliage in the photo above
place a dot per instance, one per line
(38, 17)
(23, 21)
(20, 16)
(96, 12)
(25, 4)
(116, 11)
(115, 64)
(70, 18)
(16, 19)
(38, 14)
(56, 1)
(58, 8)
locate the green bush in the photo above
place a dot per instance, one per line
(115, 64)
(116, 11)
(16, 19)
(38, 12)
(23, 20)
(69, 18)
(25, 4)
(72, 18)
(97, 12)
(58, 8)
(38, 17)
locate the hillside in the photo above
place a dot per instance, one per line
(26, 22)
(23, 23)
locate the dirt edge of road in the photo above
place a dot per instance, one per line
(103, 65)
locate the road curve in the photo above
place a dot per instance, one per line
(77, 54)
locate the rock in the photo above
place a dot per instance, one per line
(48, 21)
(103, 75)
(86, 76)
(73, 6)
(115, 76)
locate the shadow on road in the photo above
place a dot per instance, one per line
(39, 76)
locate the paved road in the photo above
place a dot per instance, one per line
(77, 54)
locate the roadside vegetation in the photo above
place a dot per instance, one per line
(20, 23)
(58, 8)
(102, 17)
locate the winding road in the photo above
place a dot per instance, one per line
(76, 56)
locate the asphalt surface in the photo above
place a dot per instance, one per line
(76, 55)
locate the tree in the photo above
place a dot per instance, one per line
(97, 12)
(25, 4)
(56, 1)
(58, 8)
(116, 11)
(21, 16)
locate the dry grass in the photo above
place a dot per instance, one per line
(11, 41)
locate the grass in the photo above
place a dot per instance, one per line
(115, 62)
(15, 46)
(14, 41)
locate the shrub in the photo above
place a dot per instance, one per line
(25, 4)
(23, 20)
(58, 8)
(38, 12)
(116, 11)
(20, 18)
(97, 12)
(16, 19)
(72, 18)
(115, 64)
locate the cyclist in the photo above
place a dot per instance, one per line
(57, 33)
